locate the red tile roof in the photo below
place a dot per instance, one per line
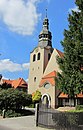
(80, 95)
(16, 83)
(60, 53)
(62, 95)
(7, 81)
(49, 78)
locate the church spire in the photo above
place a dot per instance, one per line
(46, 12)
(45, 35)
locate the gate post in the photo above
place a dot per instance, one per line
(36, 113)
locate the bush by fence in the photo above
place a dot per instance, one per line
(79, 107)
(68, 120)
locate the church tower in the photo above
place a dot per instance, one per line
(40, 57)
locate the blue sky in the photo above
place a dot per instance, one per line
(20, 25)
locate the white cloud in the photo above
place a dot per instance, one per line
(75, 9)
(19, 15)
(26, 65)
(8, 65)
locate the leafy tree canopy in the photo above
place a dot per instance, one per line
(5, 86)
(14, 99)
(36, 96)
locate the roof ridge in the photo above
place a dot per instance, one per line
(60, 53)
(49, 74)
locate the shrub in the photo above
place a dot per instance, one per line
(31, 105)
(14, 99)
(18, 113)
(1, 112)
(12, 113)
(36, 96)
(79, 107)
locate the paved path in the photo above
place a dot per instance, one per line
(19, 123)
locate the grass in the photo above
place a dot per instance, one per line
(75, 111)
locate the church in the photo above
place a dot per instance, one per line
(44, 68)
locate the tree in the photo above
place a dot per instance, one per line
(5, 86)
(36, 97)
(14, 99)
(70, 81)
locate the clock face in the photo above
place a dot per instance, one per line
(36, 50)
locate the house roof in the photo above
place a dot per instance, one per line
(20, 82)
(61, 54)
(48, 78)
(80, 95)
(62, 95)
(7, 81)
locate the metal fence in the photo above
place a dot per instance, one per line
(50, 118)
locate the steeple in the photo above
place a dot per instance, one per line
(46, 22)
(45, 35)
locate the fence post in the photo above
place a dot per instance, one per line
(36, 114)
(3, 113)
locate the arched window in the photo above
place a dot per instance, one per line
(38, 56)
(49, 55)
(34, 57)
(34, 79)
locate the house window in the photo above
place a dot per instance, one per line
(49, 55)
(34, 79)
(34, 57)
(38, 56)
(66, 100)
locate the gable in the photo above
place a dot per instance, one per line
(16, 83)
(52, 64)
(50, 78)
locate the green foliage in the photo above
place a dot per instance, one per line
(18, 113)
(70, 81)
(36, 97)
(79, 107)
(14, 99)
(1, 112)
(31, 105)
(75, 111)
(5, 86)
(12, 113)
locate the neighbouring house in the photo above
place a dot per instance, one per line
(19, 84)
(44, 68)
(65, 100)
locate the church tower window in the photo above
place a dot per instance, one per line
(49, 55)
(34, 79)
(34, 57)
(38, 56)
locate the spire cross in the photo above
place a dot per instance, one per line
(46, 12)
